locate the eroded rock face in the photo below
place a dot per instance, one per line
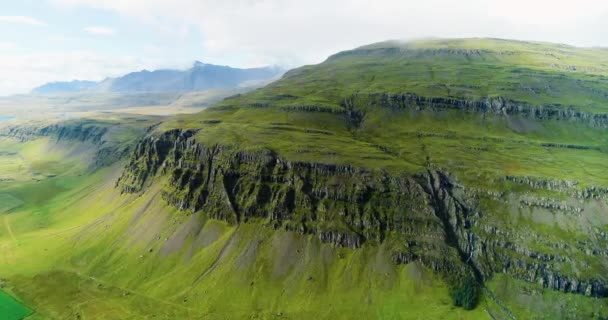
(426, 217)
(340, 204)
(498, 105)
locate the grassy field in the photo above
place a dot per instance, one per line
(10, 309)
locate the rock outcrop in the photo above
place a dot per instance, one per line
(91, 132)
(81, 131)
(493, 105)
(426, 217)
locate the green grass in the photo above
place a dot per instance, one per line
(107, 272)
(100, 255)
(478, 149)
(10, 309)
(8, 202)
(84, 250)
(537, 73)
(530, 301)
(474, 147)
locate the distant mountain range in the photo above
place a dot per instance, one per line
(201, 76)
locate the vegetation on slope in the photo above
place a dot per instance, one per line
(506, 146)
(472, 69)
(89, 252)
(207, 226)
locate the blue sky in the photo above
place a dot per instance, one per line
(85, 42)
(47, 40)
(73, 28)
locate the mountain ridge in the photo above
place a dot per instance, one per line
(201, 76)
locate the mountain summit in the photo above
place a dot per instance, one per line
(198, 64)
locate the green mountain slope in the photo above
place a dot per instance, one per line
(395, 180)
(471, 69)
(356, 149)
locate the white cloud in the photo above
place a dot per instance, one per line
(99, 30)
(295, 31)
(8, 46)
(22, 20)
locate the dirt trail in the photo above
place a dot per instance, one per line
(7, 224)
(7, 248)
(105, 284)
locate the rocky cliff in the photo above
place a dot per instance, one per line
(491, 105)
(427, 217)
(82, 131)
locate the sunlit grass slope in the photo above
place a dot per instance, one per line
(532, 72)
(302, 115)
(40, 175)
(74, 247)
(103, 255)
(87, 251)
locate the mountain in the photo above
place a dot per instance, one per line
(65, 87)
(198, 78)
(439, 179)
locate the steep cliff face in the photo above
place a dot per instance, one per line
(425, 217)
(344, 205)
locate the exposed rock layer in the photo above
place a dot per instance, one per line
(494, 105)
(426, 217)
